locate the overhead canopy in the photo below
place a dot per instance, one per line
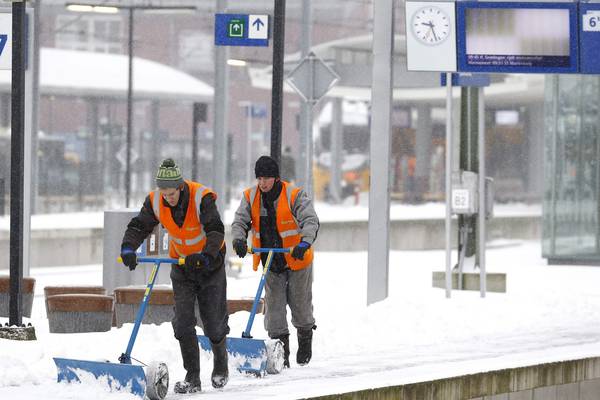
(82, 73)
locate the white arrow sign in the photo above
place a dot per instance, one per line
(258, 26)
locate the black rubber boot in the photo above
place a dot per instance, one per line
(285, 339)
(304, 346)
(220, 373)
(191, 384)
(190, 353)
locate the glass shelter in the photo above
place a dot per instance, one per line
(571, 233)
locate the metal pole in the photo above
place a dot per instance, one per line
(449, 163)
(423, 152)
(220, 120)
(17, 170)
(277, 86)
(308, 186)
(381, 127)
(129, 111)
(155, 127)
(306, 109)
(27, 143)
(35, 83)
(336, 150)
(195, 122)
(249, 144)
(482, 235)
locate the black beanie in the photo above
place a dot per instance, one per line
(266, 167)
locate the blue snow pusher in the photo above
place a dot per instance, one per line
(254, 356)
(152, 383)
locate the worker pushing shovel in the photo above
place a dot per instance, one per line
(280, 215)
(188, 211)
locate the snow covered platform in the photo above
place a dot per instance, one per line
(548, 315)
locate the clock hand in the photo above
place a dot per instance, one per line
(434, 35)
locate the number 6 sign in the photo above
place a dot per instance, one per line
(591, 21)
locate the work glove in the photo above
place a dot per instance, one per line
(241, 247)
(299, 250)
(129, 257)
(197, 261)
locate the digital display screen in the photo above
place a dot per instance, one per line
(517, 37)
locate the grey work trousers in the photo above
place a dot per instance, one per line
(293, 288)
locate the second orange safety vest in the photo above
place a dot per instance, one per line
(287, 226)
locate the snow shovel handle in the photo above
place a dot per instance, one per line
(266, 250)
(125, 358)
(179, 261)
(261, 284)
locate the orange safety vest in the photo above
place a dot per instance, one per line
(287, 226)
(190, 238)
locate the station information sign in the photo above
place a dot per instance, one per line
(503, 36)
(517, 37)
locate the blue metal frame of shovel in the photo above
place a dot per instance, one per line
(254, 351)
(124, 374)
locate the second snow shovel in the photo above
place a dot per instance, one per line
(153, 384)
(254, 356)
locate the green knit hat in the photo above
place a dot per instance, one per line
(168, 175)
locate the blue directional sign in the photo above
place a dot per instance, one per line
(241, 30)
(257, 111)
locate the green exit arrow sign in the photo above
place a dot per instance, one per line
(235, 28)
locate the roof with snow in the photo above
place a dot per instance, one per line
(82, 73)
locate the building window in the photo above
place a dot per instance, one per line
(101, 34)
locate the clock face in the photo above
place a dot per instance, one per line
(430, 25)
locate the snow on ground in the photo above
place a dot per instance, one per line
(549, 313)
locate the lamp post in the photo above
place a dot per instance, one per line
(247, 106)
(105, 8)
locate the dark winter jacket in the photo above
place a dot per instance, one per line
(269, 237)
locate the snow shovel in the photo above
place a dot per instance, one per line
(154, 383)
(258, 357)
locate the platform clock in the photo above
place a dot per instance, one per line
(430, 25)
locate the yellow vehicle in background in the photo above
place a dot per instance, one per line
(355, 176)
